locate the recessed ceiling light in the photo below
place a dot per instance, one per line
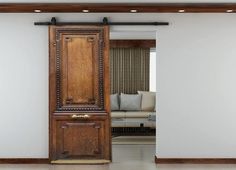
(37, 10)
(133, 10)
(229, 10)
(181, 10)
(85, 10)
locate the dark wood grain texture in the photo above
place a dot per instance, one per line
(133, 43)
(80, 139)
(79, 93)
(80, 89)
(117, 7)
(195, 160)
(24, 160)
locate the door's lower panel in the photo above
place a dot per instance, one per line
(80, 139)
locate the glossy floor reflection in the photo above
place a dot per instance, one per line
(125, 157)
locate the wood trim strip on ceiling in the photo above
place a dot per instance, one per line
(117, 7)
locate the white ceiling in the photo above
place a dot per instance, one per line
(123, 1)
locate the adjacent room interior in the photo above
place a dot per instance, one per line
(133, 87)
(133, 94)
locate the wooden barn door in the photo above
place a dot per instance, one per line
(79, 94)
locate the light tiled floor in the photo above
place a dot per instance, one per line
(125, 157)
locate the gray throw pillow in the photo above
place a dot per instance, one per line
(130, 101)
(114, 102)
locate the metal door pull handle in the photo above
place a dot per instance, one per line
(85, 116)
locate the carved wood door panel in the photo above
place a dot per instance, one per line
(80, 89)
(72, 135)
(79, 108)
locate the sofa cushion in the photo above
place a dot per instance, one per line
(114, 101)
(137, 114)
(118, 114)
(130, 102)
(148, 100)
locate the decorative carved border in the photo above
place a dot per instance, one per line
(59, 106)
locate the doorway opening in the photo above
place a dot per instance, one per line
(133, 94)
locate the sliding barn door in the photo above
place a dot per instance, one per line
(79, 94)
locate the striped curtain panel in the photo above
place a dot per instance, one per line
(129, 70)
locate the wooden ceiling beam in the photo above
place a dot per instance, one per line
(145, 43)
(117, 7)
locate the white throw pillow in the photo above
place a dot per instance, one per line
(148, 100)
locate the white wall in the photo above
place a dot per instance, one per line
(23, 88)
(196, 87)
(196, 83)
